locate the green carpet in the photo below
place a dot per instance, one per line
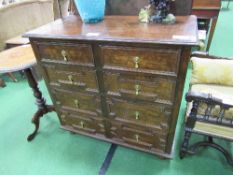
(57, 152)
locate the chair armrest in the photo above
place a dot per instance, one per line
(202, 54)
(197, 98)
(206, 98)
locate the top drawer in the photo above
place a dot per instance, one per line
(66, 52)
(155, 60)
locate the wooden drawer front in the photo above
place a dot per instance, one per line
(81, 102)
(72, 78)
(143, 59)
(140, 86)
(82, 122)
(141, 137)
(77, 53)
(156, 116)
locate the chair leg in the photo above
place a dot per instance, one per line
(185, 144)
(2, 83)
(12, 77)
(209, 143)
(210, 139)
(228, 4)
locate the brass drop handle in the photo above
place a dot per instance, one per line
(82, 124)
(64, 55)
(137, 137)
(136, 62)
(137, 114)
(70, 78)
(137, 89)
(76, 102)
(63, 116)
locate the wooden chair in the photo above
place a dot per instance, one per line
(210, 104)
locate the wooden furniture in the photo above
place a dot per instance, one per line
(118, 80)
(210, 104)
(207, 12)
(22, 58)
(2, 83)
(13, 42)
(16, 41)
(132, 7)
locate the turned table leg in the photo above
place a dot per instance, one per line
(40, 101)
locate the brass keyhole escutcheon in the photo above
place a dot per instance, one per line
(76, 102)
(58, 102)
(137, 137)
(136, 62)
(64, 55)
(70, 78)
(82, 124)
(137, 114)
(63, 116)
(137, 89)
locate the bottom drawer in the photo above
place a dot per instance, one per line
(142, 137)
(82, 122)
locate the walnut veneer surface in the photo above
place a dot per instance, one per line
(118, 80)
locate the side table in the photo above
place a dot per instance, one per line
(21, 58)
(13, 42)
(16, 41)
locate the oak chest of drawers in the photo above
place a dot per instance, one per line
(118, 80)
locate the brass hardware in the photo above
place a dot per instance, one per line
(76, 102)
(136, 61)
(137, 137)
(137, 89)
(137, 115)
(58, 102)
(63, 53)
(70, 77)
(162, 109)
(82, 124)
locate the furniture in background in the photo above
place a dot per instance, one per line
(119, 80)
(13, 42)
(207, 12)
(21, 58)
(132, 7)
(20, 19)
(60, 8)
(210, 104)
(16, 41)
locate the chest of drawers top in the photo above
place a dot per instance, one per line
(121, 28)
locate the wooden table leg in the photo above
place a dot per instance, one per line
(40, 101)
(12, 77)
(2, 83)
(212, 29)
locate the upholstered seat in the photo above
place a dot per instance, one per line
(214, 130)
